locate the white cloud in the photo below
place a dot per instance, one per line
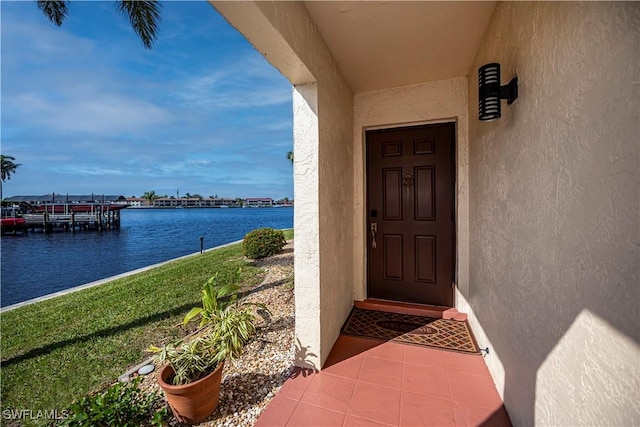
(92, 170)
(97, 114)
(244, 83)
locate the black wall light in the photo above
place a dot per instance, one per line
(490, 92)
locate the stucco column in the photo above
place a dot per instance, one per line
(323, 167)
(306, 224)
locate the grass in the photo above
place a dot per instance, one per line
(58, 350)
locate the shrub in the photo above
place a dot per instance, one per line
(122, 404)
(263, 242)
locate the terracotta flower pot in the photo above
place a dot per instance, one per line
(192, 403)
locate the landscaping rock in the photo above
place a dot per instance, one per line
(146, 369)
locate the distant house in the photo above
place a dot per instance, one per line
(258, 201)
(214, 202)
(135, 202)
(191, 202)
(163, 202)
(225, 202)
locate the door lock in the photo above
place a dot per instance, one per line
(374, 232)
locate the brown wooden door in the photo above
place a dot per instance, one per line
(410, 182)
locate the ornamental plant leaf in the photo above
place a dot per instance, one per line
(191, 314)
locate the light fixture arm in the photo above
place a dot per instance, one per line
(510, 91)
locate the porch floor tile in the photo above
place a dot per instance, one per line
(372, 383)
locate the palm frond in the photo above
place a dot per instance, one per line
(54, 10)
(144, 16)
(8, 167)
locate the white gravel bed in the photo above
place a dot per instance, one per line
(251, 381)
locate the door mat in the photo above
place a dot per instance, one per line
(453, 335)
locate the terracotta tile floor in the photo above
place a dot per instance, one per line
(371, 383)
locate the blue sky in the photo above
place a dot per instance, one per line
(87, 109)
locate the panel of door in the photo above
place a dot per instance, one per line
(410, 198)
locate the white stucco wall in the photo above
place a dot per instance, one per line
(436, 102)
(323, 151)
(306, 220)
(336, 201)
(555, 214)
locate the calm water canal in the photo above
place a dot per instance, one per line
(38, 264)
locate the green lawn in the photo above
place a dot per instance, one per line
(56, 351)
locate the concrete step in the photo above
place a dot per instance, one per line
(448, 313)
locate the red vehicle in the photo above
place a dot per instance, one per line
(11, 220)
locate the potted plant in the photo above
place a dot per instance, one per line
(192, 376)
(191, 379)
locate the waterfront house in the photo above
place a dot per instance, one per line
(284, 202)
(165, 202)
(258, 202)
(538, 237)
(136, 202)
(193, 202)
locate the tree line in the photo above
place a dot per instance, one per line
(150, 196)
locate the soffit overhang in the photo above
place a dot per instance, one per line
(386, 44)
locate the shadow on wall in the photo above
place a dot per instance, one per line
(554, 209)
(304, 357)
(532, 365)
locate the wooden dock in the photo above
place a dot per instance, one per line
(71, 217)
